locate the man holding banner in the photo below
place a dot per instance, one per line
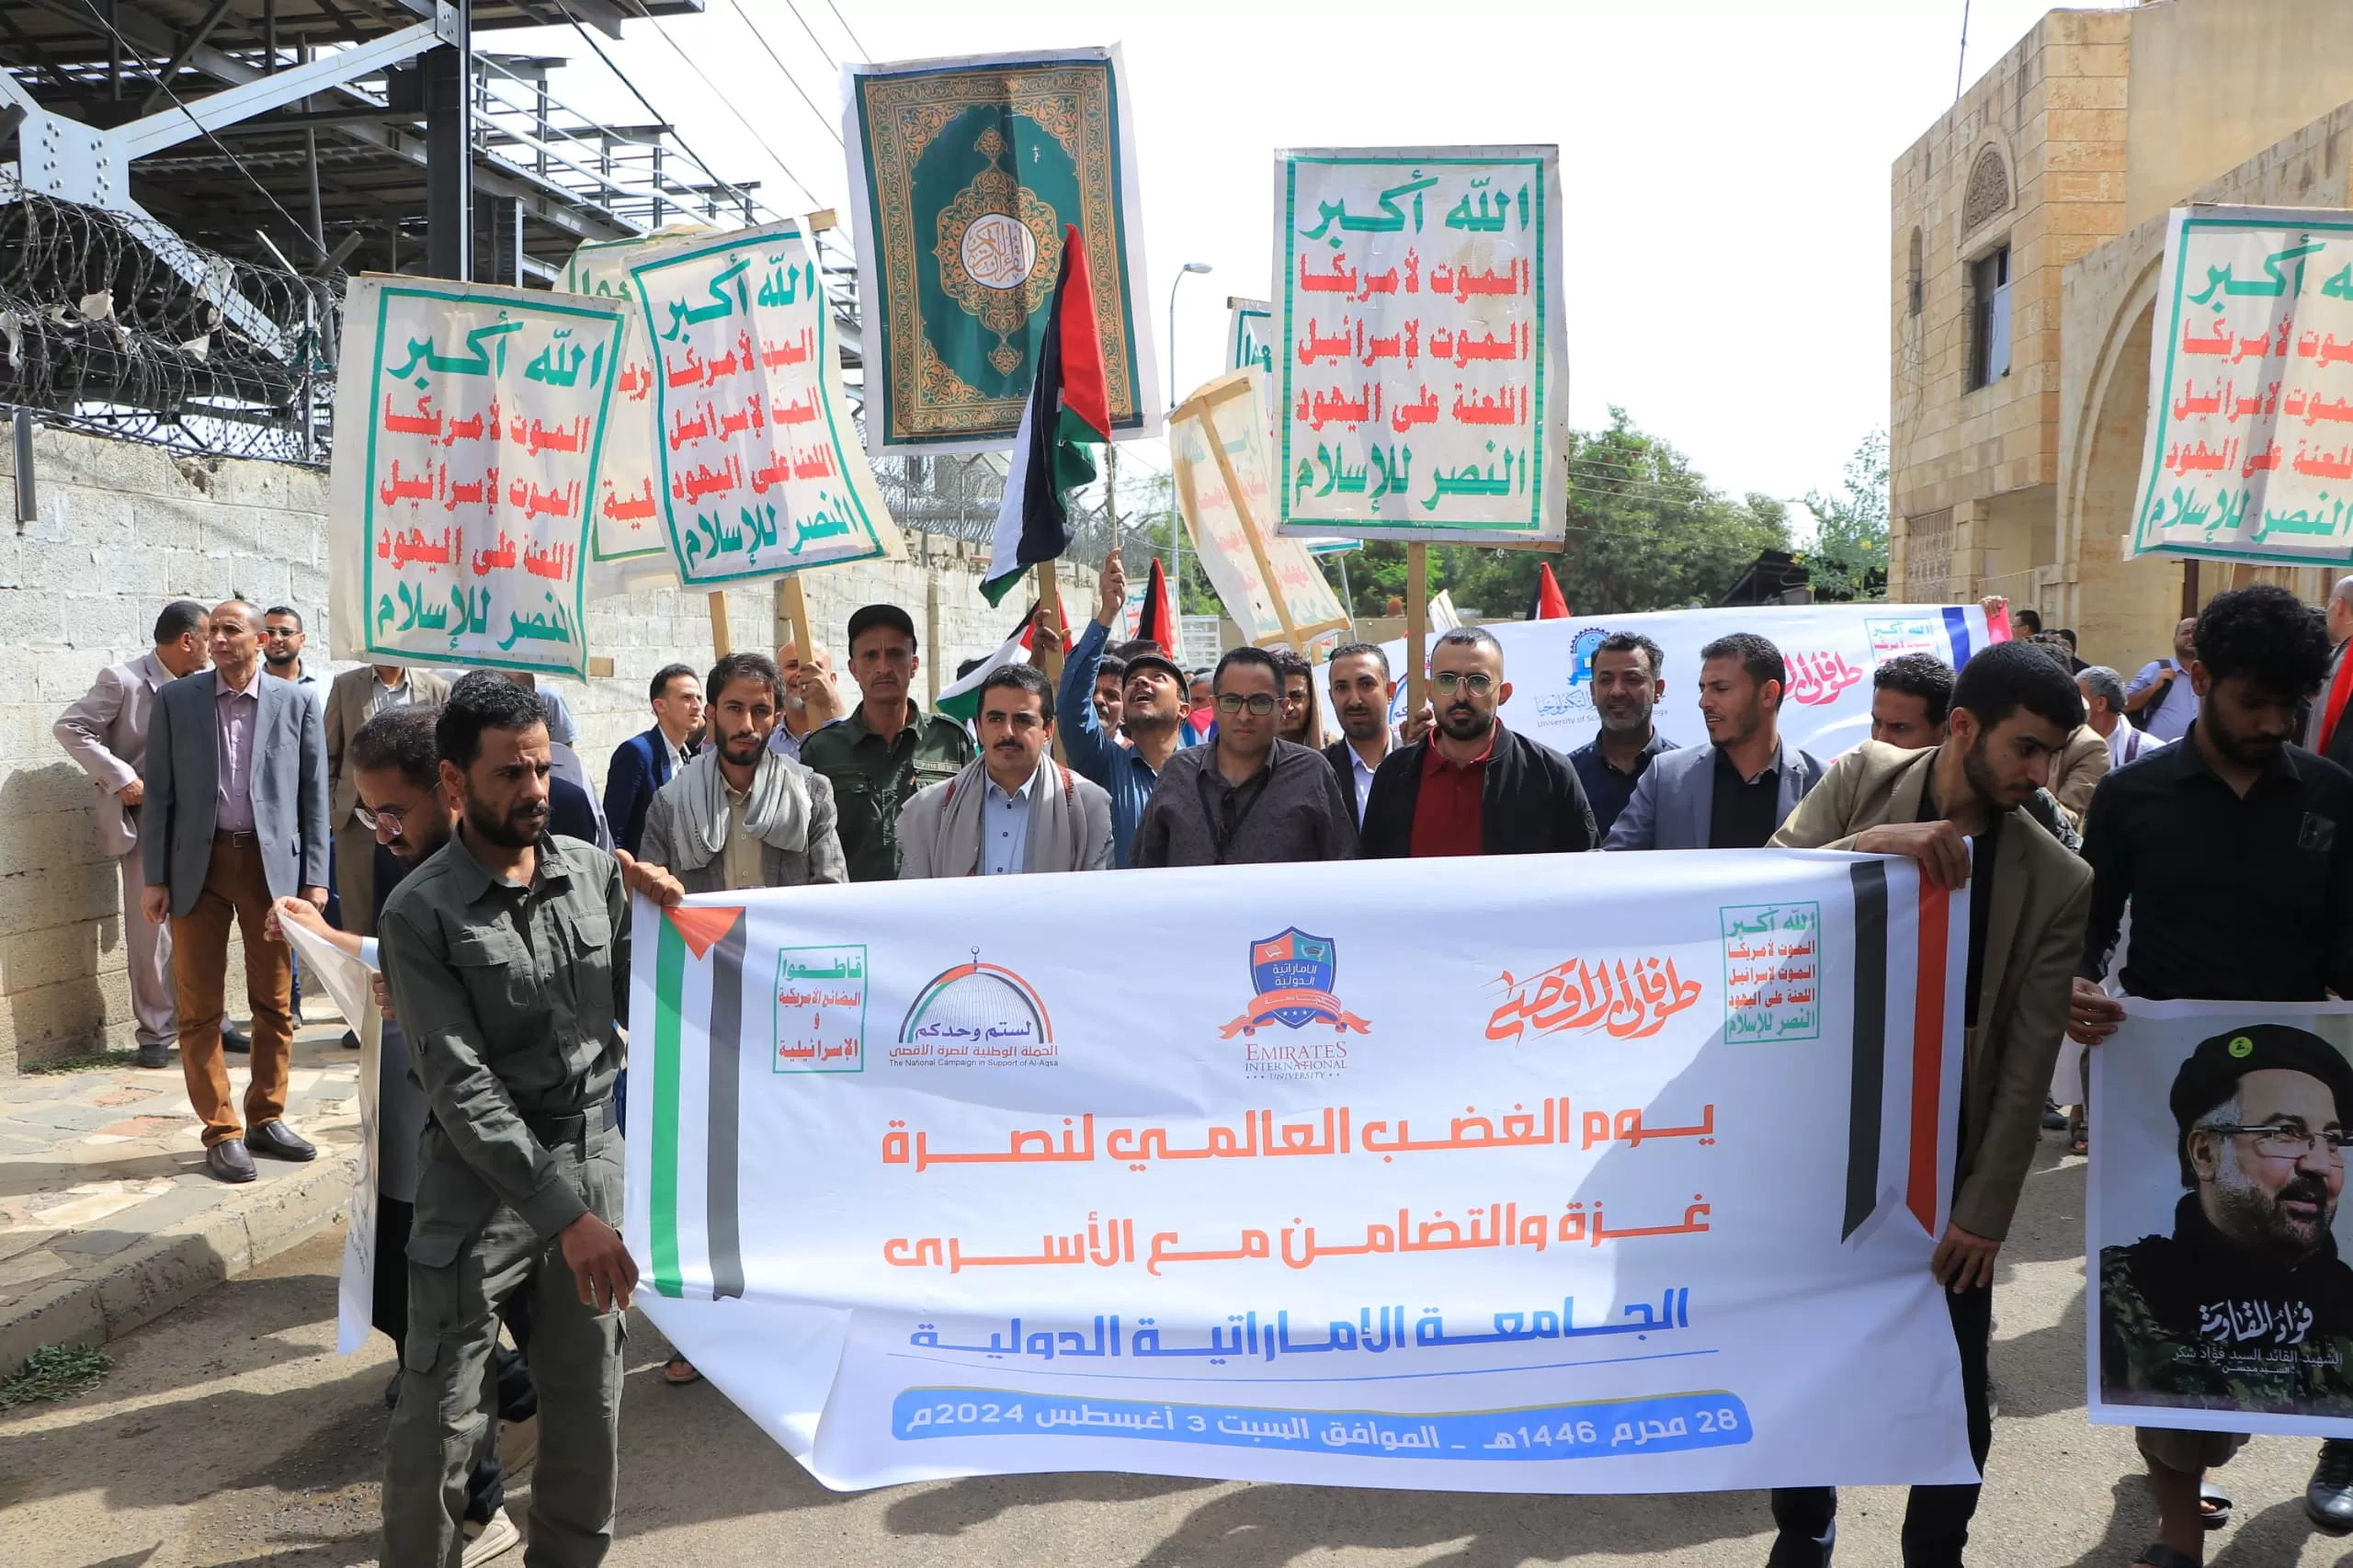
(1953, 808)
(1151, 706)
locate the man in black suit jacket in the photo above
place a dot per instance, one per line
(1358, 679)
(1471, 787)
(642, 764)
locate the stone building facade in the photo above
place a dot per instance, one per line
(125, 528)
(2089, 129)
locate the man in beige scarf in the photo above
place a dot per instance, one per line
(1013, 807)
(739, 815)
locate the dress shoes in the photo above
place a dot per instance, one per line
(235, 1040)
(154, 1056)
(274, 1139)
(228, 1161)
(2328, 1500)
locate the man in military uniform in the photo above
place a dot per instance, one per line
(501, 953)
(887, 749)
(2247, 1305)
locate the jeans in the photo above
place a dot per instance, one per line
(1936, 1522)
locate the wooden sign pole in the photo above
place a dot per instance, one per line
(796, 617)
(721, 645)
(1417, 627)
(1199, 408)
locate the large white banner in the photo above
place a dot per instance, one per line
(1629, 1184)
(347, 982)
(1831, 649)
(2221, 1299)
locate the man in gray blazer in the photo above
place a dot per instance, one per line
(1734, 793)
(104, 732)
(235, 817)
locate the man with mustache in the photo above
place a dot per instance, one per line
(1470, 787)
(1246, 798)
(1013, 807)
(887, 748)
(1955, 808)
(504, 953)
(2233, 849)
(1361, 690)
(1152, 707)
(1629, 680)
(2261, 1119)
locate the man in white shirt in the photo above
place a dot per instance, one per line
(2103, 691)
(2160, 694)
(1361, 691)
(1013, 807)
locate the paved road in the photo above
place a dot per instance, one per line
(230, 1433)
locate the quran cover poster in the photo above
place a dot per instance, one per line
(964, 176)
(2220, 1298)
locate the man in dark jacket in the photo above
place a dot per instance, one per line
(642, 764)
(1471, 787)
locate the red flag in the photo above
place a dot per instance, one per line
(1550, 603)
(1156, 622)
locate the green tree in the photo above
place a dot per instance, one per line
(1850, 554)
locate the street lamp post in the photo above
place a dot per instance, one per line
(1175, 528)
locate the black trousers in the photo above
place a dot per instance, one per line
(1936, 1522)
(515, 1398)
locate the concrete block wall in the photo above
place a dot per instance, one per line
(124, 528)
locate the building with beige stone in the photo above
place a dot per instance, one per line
(2028, 225)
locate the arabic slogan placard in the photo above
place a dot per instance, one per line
(627, 545)
(962, 176)
(760, 472)
(2250, 444)
(1422, 362)
(471, 419)
(1830, 651)
(1218, 453)
(2220, 1300)
(1537, 1203)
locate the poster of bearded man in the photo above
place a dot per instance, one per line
(2221, 1299)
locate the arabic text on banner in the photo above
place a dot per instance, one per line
(472, 418)
(627, 547)
(1419, 345)
(1535, 1203)
(962, 174)
(2215, 1307)
(1832, 650)
(1230, 412)
(2250, 448)
(760, 470)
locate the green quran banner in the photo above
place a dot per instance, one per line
(963, 176)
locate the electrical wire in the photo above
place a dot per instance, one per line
(786, 70)
(805, 28)
(704, 164)
(774, 156)
(837, 10)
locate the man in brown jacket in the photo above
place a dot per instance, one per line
(356, 697)
(1954, 809)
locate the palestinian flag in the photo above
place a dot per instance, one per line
(694, 1211)
(1156, 621)
(1547, 603)
(962, 701)
(1067, 408)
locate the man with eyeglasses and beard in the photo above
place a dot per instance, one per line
(1471, 787)
(2261, 1129)
(1246, 798)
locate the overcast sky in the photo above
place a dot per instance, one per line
(1725, 163)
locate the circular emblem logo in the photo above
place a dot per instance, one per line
(2241, 1047)
(999, 252)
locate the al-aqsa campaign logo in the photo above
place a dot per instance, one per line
(1294, 973)
(976, 1015)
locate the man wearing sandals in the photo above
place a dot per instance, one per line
(2234, 849)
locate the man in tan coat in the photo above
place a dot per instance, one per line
(357, 697)
(1953, 808)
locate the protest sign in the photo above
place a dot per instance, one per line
(2220, 1300)
(1219, 459)
(347, 982)
(1249, 336)
(2255, 305)
(1830, 651)
(627, 547)
(472, 420)
(1537, 1203)
(760, 470)
(962, 174)
(1419, 344)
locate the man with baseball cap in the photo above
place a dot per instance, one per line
(2247, 1305)
(1151, 706)
(887, 749)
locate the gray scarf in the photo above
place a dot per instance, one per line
(1056, 821)
(778, 814)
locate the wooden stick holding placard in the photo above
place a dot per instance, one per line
(1199, 409)
(1417, 627)
(796, 619)
(721, 645)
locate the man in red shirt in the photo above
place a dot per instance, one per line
(1471, 787)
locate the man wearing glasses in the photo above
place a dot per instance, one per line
(1246, 798)
(2260, 1113)
(1471, 787)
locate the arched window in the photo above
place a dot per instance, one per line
(1988, 191)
